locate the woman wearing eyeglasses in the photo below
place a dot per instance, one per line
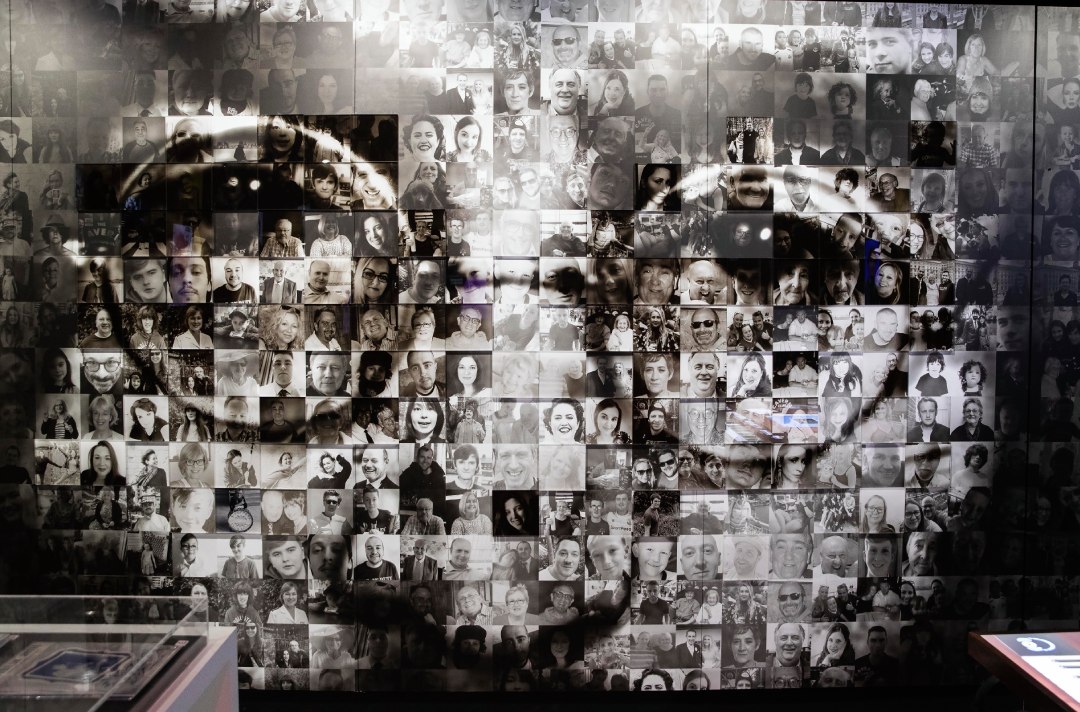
(374, 281)
(191, 468)
(875, 513)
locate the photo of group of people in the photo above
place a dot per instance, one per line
(517, 345)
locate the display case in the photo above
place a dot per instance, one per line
(75, 653)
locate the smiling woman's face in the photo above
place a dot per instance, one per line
(423, 141)
(423, 417)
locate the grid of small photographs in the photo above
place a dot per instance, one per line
(546, 344)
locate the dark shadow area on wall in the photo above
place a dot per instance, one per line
(987, 698)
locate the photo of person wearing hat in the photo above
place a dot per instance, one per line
(235, 380)
(148, 520)
(745, 558)
(518, 142)
(235, 94)
(239, 332)
(54, 233)
(374, 374)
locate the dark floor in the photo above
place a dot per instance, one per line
(989, 698)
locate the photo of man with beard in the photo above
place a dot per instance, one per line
(468, 648)
(790, 602)
(374, 374)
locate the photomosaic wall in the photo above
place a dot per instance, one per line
(581, 345)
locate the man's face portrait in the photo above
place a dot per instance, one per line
(886, 464)
(373, 464)
(515, 643)
(564, 84)
(926, 458)
(469, 601)
(927, 412)
(750, 44)
(515, 465)
(704, 327)
(790, 554)
(427, 279)
(886, 325)
(460, 552)
(653, 558)
(790, 599)
(563, 130)
(922, 549)
(789, 643)
(421, 601)
(752, 187)
(875, 642)
(657, 420)
(888, 50)
(797, 185)
(610, 139)
(530, 184)
(422, 369)
(328, 373)
(658, 91)
(699, 557)
(567, 557)
(328, 556)
(326, 326)
(881, 145)
(745, 466)
(319, 275)
(103, 369)
(834, 555)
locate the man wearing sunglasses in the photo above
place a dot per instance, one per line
(792, 603)
(328, 427)
(667, 467)
(330, 522)
(566, 49)
(704, 331)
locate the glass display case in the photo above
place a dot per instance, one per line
(76, 654)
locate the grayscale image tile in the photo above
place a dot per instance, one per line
(546, 344)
